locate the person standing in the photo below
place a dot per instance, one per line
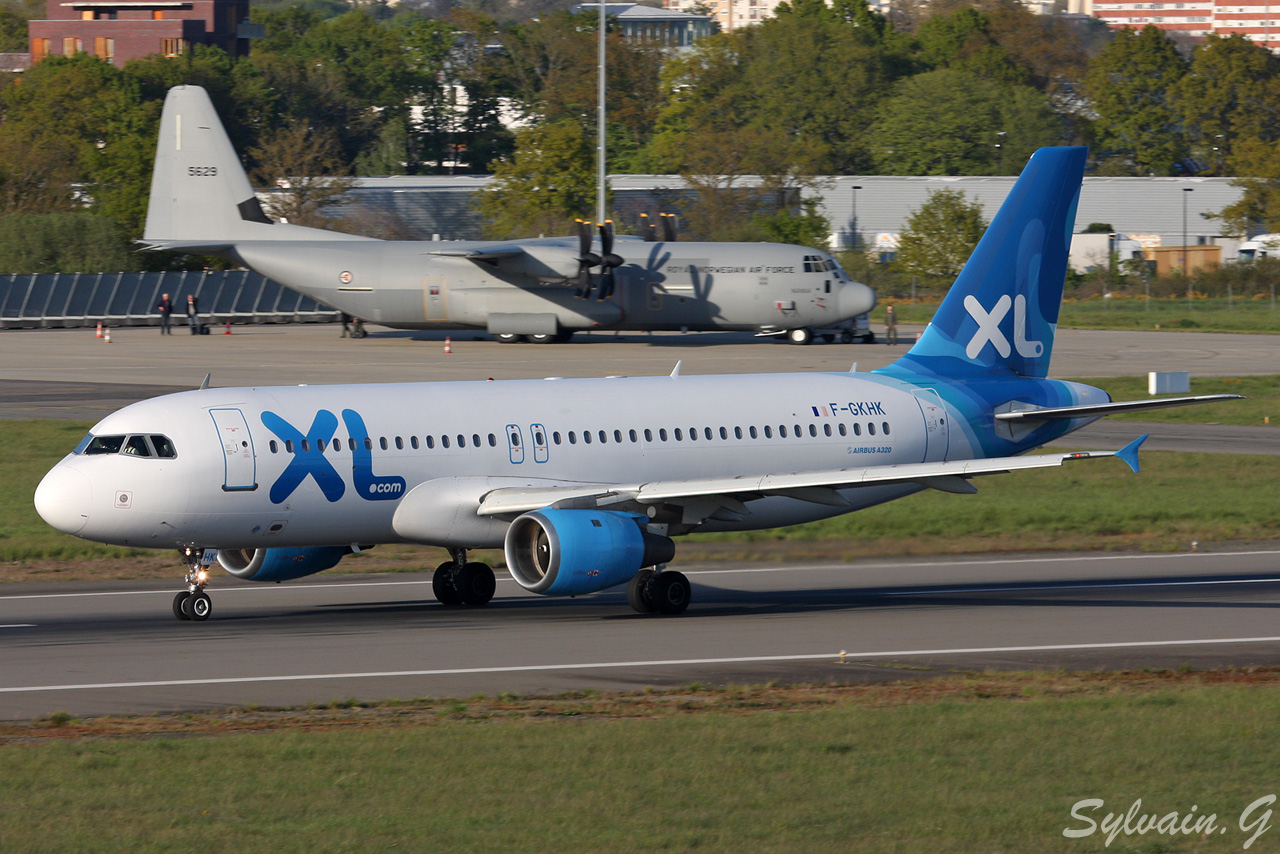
(890, 327)
(193, 314)
(166, 309)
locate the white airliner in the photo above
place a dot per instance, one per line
(584, 482)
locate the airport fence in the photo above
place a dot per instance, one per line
(51, 300)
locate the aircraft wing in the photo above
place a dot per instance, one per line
(708, 497)
(1097, 410)
(483, 253)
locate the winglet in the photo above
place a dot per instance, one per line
(675, 372)
(204, 384)
(1129, 453)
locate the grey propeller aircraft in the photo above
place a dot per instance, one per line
(539, 290)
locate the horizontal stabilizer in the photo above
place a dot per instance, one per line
(1097, 410)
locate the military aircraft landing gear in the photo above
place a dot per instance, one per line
(659, 591)
(459, 582)
(193, 603)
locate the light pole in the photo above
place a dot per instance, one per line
(856, 188)
(1185, 191)
(601, 190)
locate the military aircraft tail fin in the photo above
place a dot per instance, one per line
(201, 198)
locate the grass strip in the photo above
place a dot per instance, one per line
(974, 762)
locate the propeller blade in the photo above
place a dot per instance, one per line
(669, 228)
(586, 259)
(648, 229)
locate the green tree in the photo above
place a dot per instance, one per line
(548, 182)
(963, 40)
(64, 243)
(307, 168)
(13, 30)
(1230, 94)
(951, 122)
(1258, 209)
(1131, 85)
(940, 236)
(806, 227)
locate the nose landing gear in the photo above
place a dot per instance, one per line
(193, 603)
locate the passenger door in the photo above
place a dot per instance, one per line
(240, 465)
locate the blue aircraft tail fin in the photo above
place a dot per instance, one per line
(1002, 311)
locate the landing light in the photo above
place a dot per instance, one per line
(202, 576)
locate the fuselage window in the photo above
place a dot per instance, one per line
(351, 443)
(475, 439)
(586, 436)
(136, 446)
(399, 444)
(679, 436)
(662, 433)
(444, 441)
(604, 437)
(799, 433)
(493, 441)
(573, 438)
(288, 446)
(737, 432)
(826, 428)
(813, 429)
(841, 428)
(555, 436)
(413, 442)
(706, 431)
(631, 434)
(462, 441)
(306, 446)
(431, 442)
(515, 439)
(754, 434)
(782, 431)
(885, 425)
(857, 429)
(693, 434)
(274, 447)
(538, 438)
(768, 431)
(104, 445)
(871, 429)
(368, 443)
(321, 445)
(164, 448)
(382, 442)
(617, 436)
(724, 434)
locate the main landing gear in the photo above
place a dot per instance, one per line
(193, 603)
(457, 582)
(659, 591)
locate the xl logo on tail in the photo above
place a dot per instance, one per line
(989, 331)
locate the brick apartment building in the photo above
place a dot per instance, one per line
(120, 30)
(1256, 20)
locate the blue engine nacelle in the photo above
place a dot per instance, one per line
(570, 552)
(279, 564)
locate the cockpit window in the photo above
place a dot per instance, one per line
(131, 446)
(136, 446)
(104, 445)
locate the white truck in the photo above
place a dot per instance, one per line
(1259, 246)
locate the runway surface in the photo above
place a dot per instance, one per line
(116, 648)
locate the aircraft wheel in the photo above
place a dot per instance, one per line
(563, 336)
(846, 337)
(444, 584)
(476, 584)
(543, 339)
(639, 596)
(670, 592)
(177, 605)
(828, 339)
(508, 338)
(800, 336)
(197, 606)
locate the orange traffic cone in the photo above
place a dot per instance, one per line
(228, 332)
(99, 329)
(448, 345)
(106, 336)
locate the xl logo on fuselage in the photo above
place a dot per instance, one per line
(309, 459)
(989, 331)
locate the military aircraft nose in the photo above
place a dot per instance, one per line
(63, 499)
(855, 299)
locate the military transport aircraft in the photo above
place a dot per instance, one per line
(584, 482)
(538, 290)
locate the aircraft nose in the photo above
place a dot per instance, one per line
(63, 499)
(855, 299)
